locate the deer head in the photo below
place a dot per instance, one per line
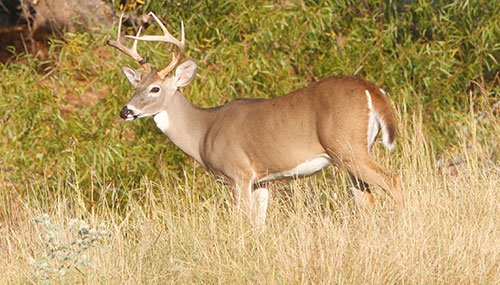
(153, 89)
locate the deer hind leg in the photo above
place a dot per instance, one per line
(362, 194)
(369, 172)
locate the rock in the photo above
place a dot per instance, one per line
(56, 16)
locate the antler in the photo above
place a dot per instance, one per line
(130, 52)
(168, 38)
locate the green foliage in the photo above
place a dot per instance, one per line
(426, 55)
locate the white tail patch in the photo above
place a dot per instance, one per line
(375, 123)
(385, 135)
(369, 98)
(373, 128)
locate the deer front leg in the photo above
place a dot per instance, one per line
(252, 203)
(242, 192)
(260, 202)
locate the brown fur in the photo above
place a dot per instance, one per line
(246, 140)
(249, 141)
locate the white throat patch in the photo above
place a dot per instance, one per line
(162, 121)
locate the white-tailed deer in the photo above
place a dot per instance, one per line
(248, 142)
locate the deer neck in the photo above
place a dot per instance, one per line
(184, 124)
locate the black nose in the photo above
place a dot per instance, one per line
(125, 112)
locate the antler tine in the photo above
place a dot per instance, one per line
(134, 45)
(130, 52)
(120, 28)
(162, 26)
(168, 38)
(177, 59)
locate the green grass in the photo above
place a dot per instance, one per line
(66, 152)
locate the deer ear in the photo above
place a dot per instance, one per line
(133, 76)
(184, 73)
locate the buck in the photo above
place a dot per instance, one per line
(248, 142)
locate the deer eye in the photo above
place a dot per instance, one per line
(154, 90)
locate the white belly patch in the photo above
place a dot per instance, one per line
(307, 168)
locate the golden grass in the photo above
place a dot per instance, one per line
(65, 153)
(448, 233)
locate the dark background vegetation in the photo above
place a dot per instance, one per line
(59, 122)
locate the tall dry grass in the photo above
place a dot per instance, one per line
(448, 233)
(154, 216)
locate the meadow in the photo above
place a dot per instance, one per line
(88, 198)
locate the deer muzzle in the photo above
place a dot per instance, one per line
(127, 114)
